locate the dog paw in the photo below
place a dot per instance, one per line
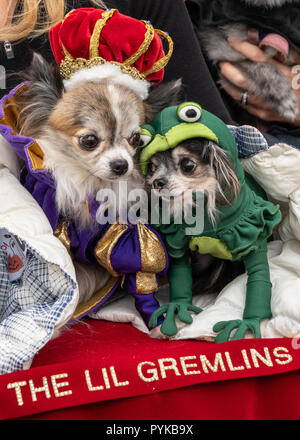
(267, 81)
(156, 333)
(289, 107)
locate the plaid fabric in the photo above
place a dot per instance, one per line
(30, 308)
(249, 140)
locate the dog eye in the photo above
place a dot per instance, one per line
(134, 140)
(151, 168)
(187, 166)
(89, 142)
(189, 112)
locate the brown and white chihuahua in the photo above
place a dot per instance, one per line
(89, 135)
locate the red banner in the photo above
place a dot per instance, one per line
(137, 370)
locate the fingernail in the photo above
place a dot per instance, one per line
(232, 40)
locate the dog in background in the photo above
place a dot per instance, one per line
(264, 79)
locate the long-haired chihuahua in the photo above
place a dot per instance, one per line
(198, 165)
(89, 135)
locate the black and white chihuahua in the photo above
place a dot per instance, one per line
(199, 165)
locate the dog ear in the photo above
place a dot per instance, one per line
(39, 98)
(228, 182)
(162, 96)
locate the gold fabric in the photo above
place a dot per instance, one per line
(10, 118)
(61, 233)
(98, 296)
(94, 43)
(149, 35)
(153, 257)
(146, 283)
(106, 244)
(160, 64)
(70, 65)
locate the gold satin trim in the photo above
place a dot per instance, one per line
(36, 156)
(160, 64)
(153, 257)
(96, 298)
(10, 118)
(61, 232)
(11, 111)
(149, 35)
(87, 206)
(94, 43)
(146, 283)
(106, 244)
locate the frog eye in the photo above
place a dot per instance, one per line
(189, 112)
(145, 138)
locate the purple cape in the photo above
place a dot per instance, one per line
(130, 260)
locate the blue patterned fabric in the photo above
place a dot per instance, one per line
(30, 308)
(249, 140)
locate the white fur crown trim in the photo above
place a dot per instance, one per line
(112, 73)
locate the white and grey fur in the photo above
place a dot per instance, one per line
(269, 3)
(264, 79)
(213, 174)
(215, 177)
(58, 118)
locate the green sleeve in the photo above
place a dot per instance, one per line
(259, 287)
(180, 280)
(180, 305)
(258, 299)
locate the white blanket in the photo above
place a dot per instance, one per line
(284, 259)
(35, 307)
(30, 316)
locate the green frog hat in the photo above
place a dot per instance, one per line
(240, 234)
(179, 123)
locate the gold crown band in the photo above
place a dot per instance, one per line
(149, 35)
(94, 43)
(69, 66)
(160, 64)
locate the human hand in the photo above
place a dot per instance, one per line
(256, 105)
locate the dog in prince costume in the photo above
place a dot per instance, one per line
(188, 148)
(76, 128)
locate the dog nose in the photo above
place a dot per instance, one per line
(160, 183)
(119, 167)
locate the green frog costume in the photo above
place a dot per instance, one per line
(241, 232)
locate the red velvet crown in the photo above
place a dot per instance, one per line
(88, 37)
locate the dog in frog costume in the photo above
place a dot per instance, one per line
(187, 147)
